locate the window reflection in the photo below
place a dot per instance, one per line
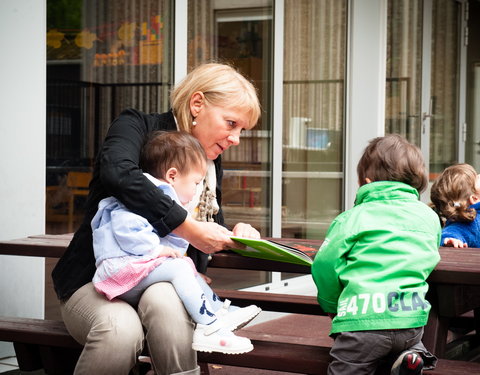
(314, 89)
(102, 56)
(404, 90)
(241, 36)
(445, 83)
(404, 70)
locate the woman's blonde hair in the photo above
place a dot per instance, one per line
(451, 191)
(222, 85)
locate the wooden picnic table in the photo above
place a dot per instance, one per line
(454, 284)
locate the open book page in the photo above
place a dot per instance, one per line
(265, 249)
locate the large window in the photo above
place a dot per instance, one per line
(423, 80)
(241, 36)
(313, 115)
(102, 56)
(313, 108)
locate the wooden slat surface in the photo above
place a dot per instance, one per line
(36, 331)
(457, 266)
(273, 301)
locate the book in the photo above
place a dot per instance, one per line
(296, 253)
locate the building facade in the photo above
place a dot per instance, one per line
(331, 75)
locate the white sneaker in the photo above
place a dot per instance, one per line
(214, 338)
(234, 317)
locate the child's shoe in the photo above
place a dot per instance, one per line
(408, 362)
(234, 317)
(215, 338)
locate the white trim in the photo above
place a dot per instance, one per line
(277, 123)
(365, 88)
(299, 285)
(426, 82)
(462, 87)
(23, 153)
(180, 46)
(285, 174)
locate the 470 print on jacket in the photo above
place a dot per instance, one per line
(366, 303)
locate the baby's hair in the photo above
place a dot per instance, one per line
(451, 191)
(393, 158)
(165, 150)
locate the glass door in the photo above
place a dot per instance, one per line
(472, 153)
(425, 55)
(313, 116)
(240, 35)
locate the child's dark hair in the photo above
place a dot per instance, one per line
(393, 158)
(451, 192)
(164, 150)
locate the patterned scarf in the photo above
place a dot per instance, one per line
(204, 204)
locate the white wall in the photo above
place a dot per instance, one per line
(367, 40)
(22, 152)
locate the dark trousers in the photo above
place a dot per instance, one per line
(361, 352)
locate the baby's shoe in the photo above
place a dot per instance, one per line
(215, 338)
(234, 317)
(408, 362)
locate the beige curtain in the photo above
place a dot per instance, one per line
(201, 36)
(127, 56)
(444, 90)
(314, 71)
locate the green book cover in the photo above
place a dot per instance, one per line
(265, 249)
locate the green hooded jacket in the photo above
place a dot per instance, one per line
(372, 267)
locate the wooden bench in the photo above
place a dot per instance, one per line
(46, 344)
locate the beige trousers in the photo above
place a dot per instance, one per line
(112, 332)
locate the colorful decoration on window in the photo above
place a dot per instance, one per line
(111, 44)
(54, 38)
(151, 43)
(85, 39)
(126, 33)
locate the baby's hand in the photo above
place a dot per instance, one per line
(169, 252)
(454, 242)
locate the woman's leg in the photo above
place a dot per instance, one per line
(169, 331)
(179, 272)
(110, 331)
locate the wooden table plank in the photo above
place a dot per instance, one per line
(457, 266)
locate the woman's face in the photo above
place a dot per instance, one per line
(218, 128)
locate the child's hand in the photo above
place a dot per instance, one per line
(169, 252)
(206, 278)
(454, 243)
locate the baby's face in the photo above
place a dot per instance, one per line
(186, 184)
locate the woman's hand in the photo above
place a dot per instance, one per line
(245, 230)
(205, 236)
(454, 242)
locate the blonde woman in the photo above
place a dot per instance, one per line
(214, 103)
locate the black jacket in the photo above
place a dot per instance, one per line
(116, 173)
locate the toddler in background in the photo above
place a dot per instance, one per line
(130, 256)
(455, 195)
(372, 268)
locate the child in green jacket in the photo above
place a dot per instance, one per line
(372, 268)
